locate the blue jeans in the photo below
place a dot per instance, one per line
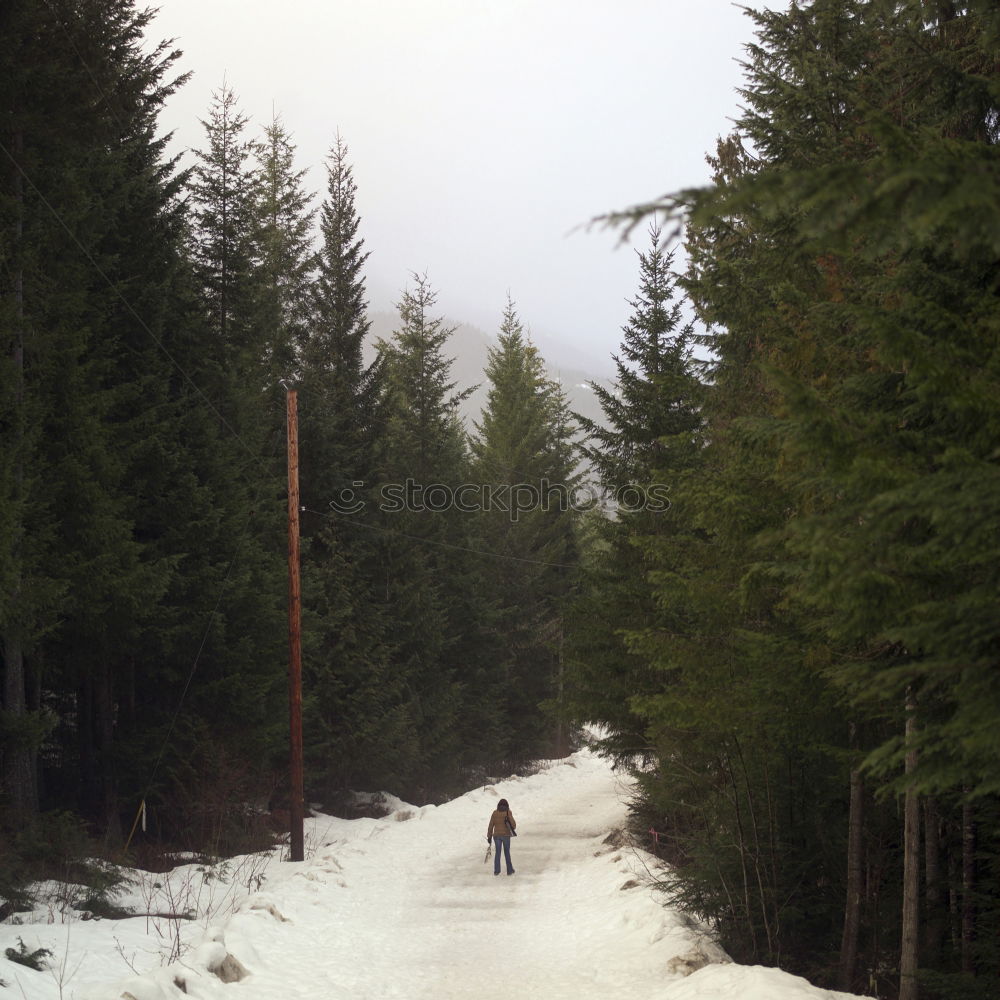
(503, 842)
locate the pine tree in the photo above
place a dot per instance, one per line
(132, 534)
(250, 258)
(848, 268)
(361, 732)
(752, 278)
(649, 437)
(343, 421)
(426, 438)
(522, 454)
(224, 221)
(652, 396)
(425, 563)
(80, 100)
(281, 234)
(685, 646)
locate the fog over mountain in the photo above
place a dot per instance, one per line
(573, 368)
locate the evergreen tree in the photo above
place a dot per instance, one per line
(281, 236)
(360, 730)
(222, 199)
(653, 396)
(522, 454)
(649, 438)
(848, 270)
(900, 441)
(426, 569)
(752, 277)
(425, 433)
(80, 100)
(343, 420)
(133, 532)
(901, 437)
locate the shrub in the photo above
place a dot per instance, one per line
(32, 959)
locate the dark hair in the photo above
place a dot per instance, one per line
(502, 806)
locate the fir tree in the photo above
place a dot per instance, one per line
(522, 454)
(649, 438)
(343, 422)
(249, 226)
(224, 219)
(281, 237)
(80, 100)
(848, 278)
(652, 395)
(425, 563)
(140, 486)
(362, 734)
(426, 439)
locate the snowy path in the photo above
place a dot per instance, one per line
(404, 907)
(420, 915)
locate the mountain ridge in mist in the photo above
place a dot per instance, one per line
(469, 346)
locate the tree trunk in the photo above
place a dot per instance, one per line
(910, 949)
(18, 756)
(855, 870)
(935, 913)
(741, 846)
(104, 730)
(87, 794)
(968, 887)
(18, 779)
(562, 737)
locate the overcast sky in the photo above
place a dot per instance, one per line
(483, 135)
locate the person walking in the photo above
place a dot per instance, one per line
(502, 827)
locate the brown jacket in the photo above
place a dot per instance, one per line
(498, 826)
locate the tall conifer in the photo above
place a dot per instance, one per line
(129, 554)
(222, 198)
(343, 422)
(652, 397)
(426, 563)
(281, 237)
(361, 732)
(846, 267)
(649, 436)
(523, 455)
(125, 445)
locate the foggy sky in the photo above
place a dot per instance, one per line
(483, 135)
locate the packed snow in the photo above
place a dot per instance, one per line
(406, 906)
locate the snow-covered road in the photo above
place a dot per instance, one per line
(404, 907)
(413, 910)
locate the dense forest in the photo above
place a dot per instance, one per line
(150, 316)
(785, 624)
(799, 658)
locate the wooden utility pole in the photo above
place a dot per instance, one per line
(296, 805)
